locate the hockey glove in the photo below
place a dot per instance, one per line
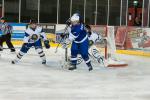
(46, 44)
(91, 42)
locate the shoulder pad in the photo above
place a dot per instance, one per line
(28, 30)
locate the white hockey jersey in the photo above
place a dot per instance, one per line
(95, 37)
(38, 32)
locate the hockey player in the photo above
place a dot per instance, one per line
(93, 50)
(93, 36)
(33, 35)
(79, 39)
(93, 39)
(6, 34)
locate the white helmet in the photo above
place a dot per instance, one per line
(75, 18)
(77, 14)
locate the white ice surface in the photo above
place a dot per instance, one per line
(30, 80)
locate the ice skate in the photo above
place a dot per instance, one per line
(72, 67)
(14, 61)
(90, 68)
(44, 62)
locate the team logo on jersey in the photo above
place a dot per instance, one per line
(34, 37)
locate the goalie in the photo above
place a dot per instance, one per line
(93, 36)
(112, 60)
(33, 35)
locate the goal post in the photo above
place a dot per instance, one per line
(111, 57)
(107, 48)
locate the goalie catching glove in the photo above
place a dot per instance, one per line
(91, 42)
(46, 44)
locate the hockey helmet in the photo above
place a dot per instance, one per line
(2, 18)
(74, 18)
(33, 21)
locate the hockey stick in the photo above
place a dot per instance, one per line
(106, 49)
(61, 38)
(14, 47)
(21, 47)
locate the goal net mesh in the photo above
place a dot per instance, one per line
(108, 49)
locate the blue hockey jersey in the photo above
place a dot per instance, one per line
(78, 33)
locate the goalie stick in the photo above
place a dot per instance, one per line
(62, 38)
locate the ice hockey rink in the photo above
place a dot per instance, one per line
(30, 80)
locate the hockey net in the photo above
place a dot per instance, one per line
(107, 48)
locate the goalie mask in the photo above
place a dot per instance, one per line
(88, 29)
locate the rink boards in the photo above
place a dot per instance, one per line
(53, 31)
(129, 52)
